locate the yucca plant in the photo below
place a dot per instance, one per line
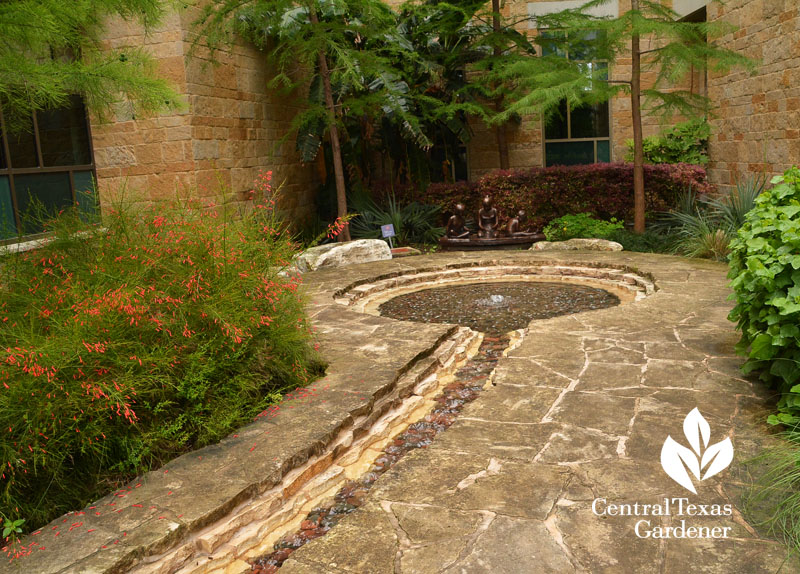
(705, 226)
(731, 209)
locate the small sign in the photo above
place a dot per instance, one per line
(387, 230)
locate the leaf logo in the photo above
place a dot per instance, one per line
(676, 458)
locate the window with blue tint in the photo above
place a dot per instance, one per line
(40, 196)
(86, 195)
(64, 135)
(577, 134)
(569, 153)
(8, 227)
(603, 151)
(45, 168)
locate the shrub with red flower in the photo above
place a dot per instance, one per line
(125, 346)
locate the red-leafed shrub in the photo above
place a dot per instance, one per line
(604, 190)
(125, 346)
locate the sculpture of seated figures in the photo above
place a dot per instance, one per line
(455, 225)
(514, 228)
(487, 220)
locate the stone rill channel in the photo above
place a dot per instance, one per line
(496, 309)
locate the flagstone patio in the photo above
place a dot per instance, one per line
(575, 421)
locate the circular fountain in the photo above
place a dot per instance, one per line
(496, 307)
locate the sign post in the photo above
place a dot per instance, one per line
(388, 232)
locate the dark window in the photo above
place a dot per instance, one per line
(63, 135)
(447, 158)
(577, 135)
(45, 168)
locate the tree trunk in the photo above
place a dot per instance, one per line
(500, 129)
(638, 149)
(333, 129)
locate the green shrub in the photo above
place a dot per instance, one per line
(650, 241)
(413, 222)
(765, 273)
(686, 142)
(580, 225)
(128, 345)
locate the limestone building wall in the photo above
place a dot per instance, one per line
(757, 123)
(230, 128)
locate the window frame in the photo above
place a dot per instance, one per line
(608, 138)
(10, 171)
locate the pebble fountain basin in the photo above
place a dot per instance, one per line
(496, 308)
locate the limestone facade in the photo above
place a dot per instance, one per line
(231, 127)
(757, 125)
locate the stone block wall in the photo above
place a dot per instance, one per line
(757, 123)
(230, 128)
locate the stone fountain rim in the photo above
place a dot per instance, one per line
(367, 294)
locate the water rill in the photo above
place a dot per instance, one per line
(496, 309)
(470, 380)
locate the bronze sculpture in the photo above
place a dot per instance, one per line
(490, 233)
(514, 227)
(487, 219)
(456, 228)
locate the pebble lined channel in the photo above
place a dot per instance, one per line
(493, 308)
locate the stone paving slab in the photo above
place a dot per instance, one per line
(579, 413)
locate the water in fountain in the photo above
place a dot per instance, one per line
(496, 307)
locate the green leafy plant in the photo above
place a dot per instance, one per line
(580, 225)
(12, 527)
(127, 345)
(686, 142)
(413, 222)
(765, 273)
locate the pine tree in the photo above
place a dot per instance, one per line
(50, 51)
(347, 54)
(654, 39)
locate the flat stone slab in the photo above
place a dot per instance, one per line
(575, 423)
(577, 243)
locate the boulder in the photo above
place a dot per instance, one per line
(342, 254)
(573, 244)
